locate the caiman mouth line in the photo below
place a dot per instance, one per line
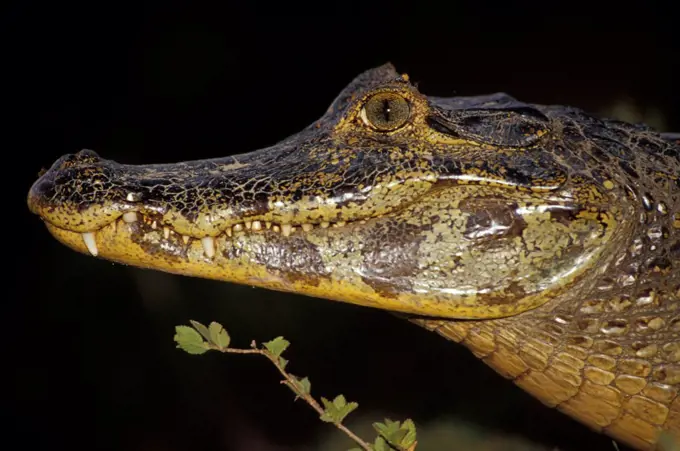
(208, 242)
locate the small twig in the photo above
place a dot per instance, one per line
(393, 435)
(292, 383)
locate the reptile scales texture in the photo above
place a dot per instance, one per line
(544, 239)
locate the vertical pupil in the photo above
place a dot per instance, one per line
(386, 110)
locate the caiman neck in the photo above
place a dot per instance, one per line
(605, 352)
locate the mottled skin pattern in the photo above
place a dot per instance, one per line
(545, 240)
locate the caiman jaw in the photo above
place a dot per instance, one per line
(146, 218)
(114, 211)
(391, 200)
(92, 217)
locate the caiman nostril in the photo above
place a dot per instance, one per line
(87, 155)
(83, 157)
(84, 166)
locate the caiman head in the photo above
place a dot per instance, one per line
(457, 207)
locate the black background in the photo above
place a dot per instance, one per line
(89, 343)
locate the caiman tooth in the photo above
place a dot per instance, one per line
(268, 224)
(256, 226)
(88, 238)
(208, 243)
(166, 232)
(237, 228)
(307, 227)
(130, 217)
(185, 238)
(276, 228)
(325, 225)
(249, 225)
(286, 229)
(154, 225)
(228, 230)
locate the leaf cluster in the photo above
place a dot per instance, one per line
(392, 435)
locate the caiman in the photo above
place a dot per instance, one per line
(543, 238)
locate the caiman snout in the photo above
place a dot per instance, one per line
(63, 194)
(63, 168)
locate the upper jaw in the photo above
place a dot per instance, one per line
(279, 188)
(85, 195)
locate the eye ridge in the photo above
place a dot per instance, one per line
(386, 111)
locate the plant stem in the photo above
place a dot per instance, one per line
(292, 383)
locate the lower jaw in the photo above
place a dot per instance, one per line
(119, 243)
(145, 247)
(122, 243)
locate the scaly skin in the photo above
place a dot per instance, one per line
(545, 240)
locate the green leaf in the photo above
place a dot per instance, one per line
(189, 340)
(387, 427)
(340, 401)
(410, 437)
(381, 445)
(305, 385)
(327, 417)
(337, 410)
(301, 386)
(327, 404)
(277, 345)
(218, 336)
(282, 362)
(201, 328)
(399, 435)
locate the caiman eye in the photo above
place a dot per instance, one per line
(386, 111)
